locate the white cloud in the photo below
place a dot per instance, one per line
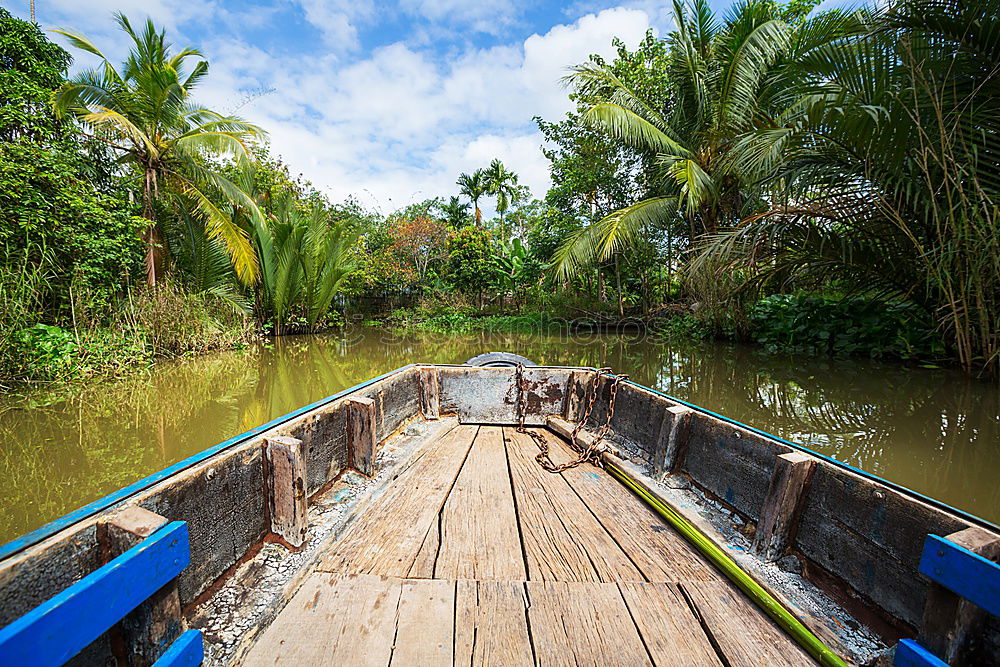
(403, 120)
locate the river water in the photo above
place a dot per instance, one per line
(931, 430)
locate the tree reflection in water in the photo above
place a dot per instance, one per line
(932, 430)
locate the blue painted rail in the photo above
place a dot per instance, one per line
(59, 628)
(964, 573)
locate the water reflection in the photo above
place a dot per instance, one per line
(933, 431)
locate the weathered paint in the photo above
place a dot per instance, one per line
(60, 627)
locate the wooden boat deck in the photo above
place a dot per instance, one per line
(475, 555)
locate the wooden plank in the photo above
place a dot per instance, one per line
(149, 629)
(962, 571)
(582, 623)
(911, 654)
(423, 565)
(780, 513)
(430, 404)
(562, 539)
(361, 434)
(286, 479)
(742, 632)
(672, 634)
(949, 620)
(479, 535)
(59, 628)
(654, 547)
(491, 624)
(674, 436)
(426, 625)
(335, 620)
(387, 537)
(187, 651)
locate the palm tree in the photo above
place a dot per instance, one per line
(724, 80)
(502, 184)
(455, 212)
(474, 186)
(144, 111)
(889, 157)
(304, 258)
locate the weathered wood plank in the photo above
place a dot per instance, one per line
(562, 539)
(150, 628)
(479, 536)
(582, 623)
(780, 514)
(286, 479)
(387, 537)
(491, 625)
(672, 634)
(652, 545)
(335, 620)
(361, 434)
(742, 632)
(950, 621)
(430, 404)
(425, 629)
(674, 431)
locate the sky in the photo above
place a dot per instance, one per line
(387, 102)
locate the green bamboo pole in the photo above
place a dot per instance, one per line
(788, 622)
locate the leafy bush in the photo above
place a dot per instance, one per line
(681, 328)
(843, 326)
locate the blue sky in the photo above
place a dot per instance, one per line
(384, 101)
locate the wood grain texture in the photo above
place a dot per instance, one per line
(782, 505)
(333, 619)
(491, 625)
(361, 434)
(582, 623)
(479, 535)
(430, 404)
(562, 539)
(672, 634)
(387, 537)
(426, 623)
(655, 547)
(744, 635)
(286, 479)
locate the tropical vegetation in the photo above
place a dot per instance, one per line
(817, 181)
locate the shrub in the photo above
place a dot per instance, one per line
(844, 326)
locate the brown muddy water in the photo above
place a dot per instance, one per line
(931, 430)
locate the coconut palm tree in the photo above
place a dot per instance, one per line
(474, 186)
(725, 79)
(144, 111)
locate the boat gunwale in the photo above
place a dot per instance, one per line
(89, 510)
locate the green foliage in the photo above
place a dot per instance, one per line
(57, 191)
(304, 259)
(471, 263)
(844, 327)
(144, 112)
(680, 328)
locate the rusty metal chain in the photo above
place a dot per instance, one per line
(591, 453)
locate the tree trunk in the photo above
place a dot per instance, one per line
(150, 235)
(602, 293)
(618, 286)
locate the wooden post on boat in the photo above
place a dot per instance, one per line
(780, 514)
(361, 435)
(430, 404)
(672, 439)
(949, 621)
(576, 395)
(285, 474)
(151, 627)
